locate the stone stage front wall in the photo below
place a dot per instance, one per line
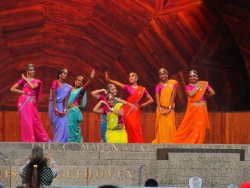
(94, 164)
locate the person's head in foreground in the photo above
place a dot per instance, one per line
(195, 182)
(151, 183)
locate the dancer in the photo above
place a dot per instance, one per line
(36, 173)
(165, 93)
(116, 132)
(30, 124)
(134, 104)
(58, 106)
(97, 94)
(77, 94)
(195, 122)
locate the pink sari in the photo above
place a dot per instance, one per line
(31, 126)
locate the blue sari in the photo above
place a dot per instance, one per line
(59, 123)
(75, 115)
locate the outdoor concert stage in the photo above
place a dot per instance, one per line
(95, 164)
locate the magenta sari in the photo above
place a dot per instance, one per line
(31, 126)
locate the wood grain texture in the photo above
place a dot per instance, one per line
(226, 127)
(124, 36)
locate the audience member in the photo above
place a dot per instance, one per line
(108, 186)
(151, 183)
(232, 186)
(195, 182)
(36, 173)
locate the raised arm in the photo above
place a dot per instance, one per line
(119, 84)
(96, 93)
(92, 75)
(33, 86)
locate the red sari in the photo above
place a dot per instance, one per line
(132, 117)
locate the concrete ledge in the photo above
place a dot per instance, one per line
(95, 164)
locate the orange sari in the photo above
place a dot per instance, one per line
(165, 123)
(132, 117)
(195, 122)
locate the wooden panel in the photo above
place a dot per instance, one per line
(140, 36)
(226, 128)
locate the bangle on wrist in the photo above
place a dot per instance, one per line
(112, 109)
(169, 107)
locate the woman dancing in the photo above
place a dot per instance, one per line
(132, 108)
(116, 132)
(31, 126)
(77, 94)
(58, 102)
(195, 122)
(99, 96)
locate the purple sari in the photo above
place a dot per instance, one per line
(59, 123)
(31, 126)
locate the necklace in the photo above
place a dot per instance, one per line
(29, 79)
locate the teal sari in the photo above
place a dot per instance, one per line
(75, 115)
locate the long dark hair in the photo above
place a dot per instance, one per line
(34, 169)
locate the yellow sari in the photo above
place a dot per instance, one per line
(195, 122)
(165, 123)
(112, 134)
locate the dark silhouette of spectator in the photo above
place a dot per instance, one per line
(151, 183)
(108, 186)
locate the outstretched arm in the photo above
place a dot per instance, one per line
(121, 100)
(113, 81)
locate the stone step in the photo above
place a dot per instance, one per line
(95, 164)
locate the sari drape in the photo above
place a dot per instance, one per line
(132, 117)
(32, 129)
(195, 122)
(59, 123)
(75, 115)
(112, 135)
(165, 123)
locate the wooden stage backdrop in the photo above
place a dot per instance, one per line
(226, 127)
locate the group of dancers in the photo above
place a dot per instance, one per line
(120, 118)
